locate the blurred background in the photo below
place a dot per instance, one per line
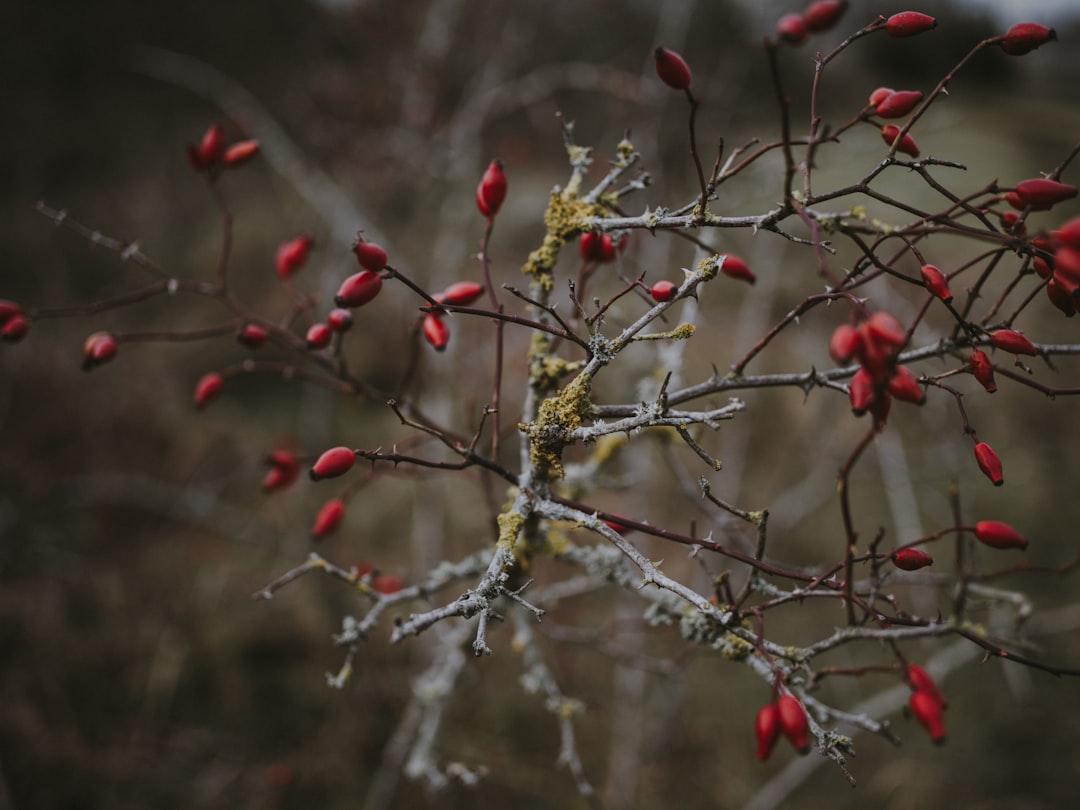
(135, 669)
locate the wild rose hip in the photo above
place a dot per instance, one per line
(861, 392)
(491, 191)
(1025, 37)
(672, 69)
(791, 28)
(207, 389)
(328, 519)
(822, 15)
(898, 104)
(461, 293)
(334, 462)
(284, 469)
(387, 584)
(845, 343)
(8, 310)
(920, 681)
(340, 320)
(1061, 298)
(989, 463)
(907, 144)
(736, 268)
(358, 289)
(911, 559)
(436, 332)
(663, 291)
(905, 386)
(597, 247)
(209, 151)
(1010, 340)
(880, 95)
(1041, 191)
(927, 711)
(909, 23)
(794, 723)
(369, 255)
(318, 336)
(983, 370)
(252, 335)
(934, 280)
(767, 730)
(15, 329)
(99, 348)
(240, 153)
(996, 534)
(292, 255)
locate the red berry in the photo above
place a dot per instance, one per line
(358, 289)
(909, 23)
(663, 291)
(291, 255)
(436, 332)
(911, 559)
(8, 310)
(791, 28)
(899, 103)
(340, 320)
(15, 329)
(1067, 262)
(999, 535)
(1060, 298)
(737, 269)
(905, 386)
(1067, 235)
(1025, 37)
(861, 392)
(794, 723)
(462, 293)
(1042, 267)
(672, 69)
(767, 729)
(885, 328)
(240, 153)
(207, 389)
(318, 336)
(209, 151)
(370, 255)
(845, 343)
(927, 711)
(99, 348)
(822, 15)
(921, 681)
(328, 519)
(1012, 341)
(983, 370)
(618, 528)
(907, 144)
(934, 280)
(334, 462)
(491, 191)
(252, 335)
(597, 247)
(284, 468)
(989, 463)
(387, 584)
(1041, 191)
(880, 95)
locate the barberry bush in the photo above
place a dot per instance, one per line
(755, 416)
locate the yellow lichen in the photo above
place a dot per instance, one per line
(510, 526)
(564, 219)
(556, 417)
(684, 331)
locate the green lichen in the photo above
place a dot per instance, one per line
(556, 417)
(564, 219)
(510, 526)
(684, 331)
(735, 648)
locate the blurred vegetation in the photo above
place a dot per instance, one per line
(135, 670)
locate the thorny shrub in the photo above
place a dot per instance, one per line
(586, 317)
